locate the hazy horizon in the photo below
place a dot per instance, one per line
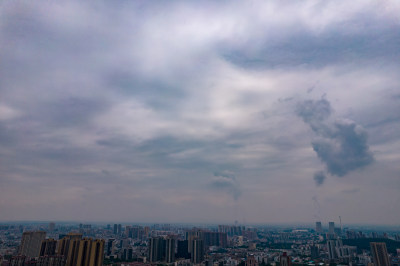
(260, 112)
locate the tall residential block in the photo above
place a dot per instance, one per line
(379, 254)
(170, 244)
(52, 227)
(48, 247)
(156, 249)
(31, 243)
(197, 251)
(119, 231)
(331, 228)
(318, 227)
(331, 245)
(183, 249)
(285, 260)
(86, 252)
(66, 243)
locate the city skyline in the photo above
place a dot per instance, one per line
(261, 113)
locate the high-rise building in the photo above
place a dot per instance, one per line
(48, 247)
(110, 246)
(127, 253)
(331, 245)
(31, 243)
(341, 251)
(314, 252)
(156, 249)
(212, 238)
(332, 228)
(191, 235)
(66, 242)
(183, 249)
(52, 226)
(115, 229)
(379, 254)
(85, 252)
(97, 253)
(170, 250)
(119, 231)
(318, 227)
(285, 260)
(197, 251)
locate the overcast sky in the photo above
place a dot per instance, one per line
(200, 111)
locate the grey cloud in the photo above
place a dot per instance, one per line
(341, 145)
(346, 151)
(319, 178)
(312, 111)
(330, 47)
(226, 181)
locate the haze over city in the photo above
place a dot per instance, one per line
(264, 112)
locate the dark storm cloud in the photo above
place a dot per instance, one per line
(226, 181)
(341, 145)
(319, 178)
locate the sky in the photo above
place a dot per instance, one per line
(200, 111)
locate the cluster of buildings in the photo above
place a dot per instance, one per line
(71, 250)
(183, 245)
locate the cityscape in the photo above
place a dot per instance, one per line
(71, 244)
(200, 133)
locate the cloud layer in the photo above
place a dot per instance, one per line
(107, 107)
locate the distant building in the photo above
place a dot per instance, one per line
(162, 249)
(127, 254)
(379, 254)
(314, 252)
(331, 245)
(331, 228)
(52, 227)
(197, 251)
(31, 243)
(156, 249)
(170, 249)
(213, 238)
(251, 261)
(110, 246)
(318, 227)
(285, 260)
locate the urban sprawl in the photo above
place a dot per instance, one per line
(68, 244)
